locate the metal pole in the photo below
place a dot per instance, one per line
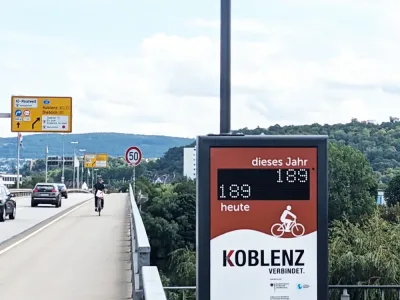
(92, 177)
(225, 67)
(83, 164)
(73, 176)
(18, 156)
(77, 174)
(47, 157)
(134, 180)
(63, 159)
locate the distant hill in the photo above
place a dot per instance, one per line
(114, 144)
(380, 143)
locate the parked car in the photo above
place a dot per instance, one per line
(8, 206)
(63, 190)
(46, 193)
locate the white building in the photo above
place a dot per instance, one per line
(189, 162)
(381, 197)
(9, 179)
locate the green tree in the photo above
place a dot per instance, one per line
(39, 165)
(170, 217)
(30, 182)
(390, 213)
(380, 143)
(352, 184)
(182, 266)
(365, 253)
(392, 193)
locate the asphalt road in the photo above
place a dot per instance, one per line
(80, 257)
(28, 216)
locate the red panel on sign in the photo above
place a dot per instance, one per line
(270, 190)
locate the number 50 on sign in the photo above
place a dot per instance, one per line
(133, 156)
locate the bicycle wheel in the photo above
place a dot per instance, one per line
(298, 229)
(99, 206)
(277, 230)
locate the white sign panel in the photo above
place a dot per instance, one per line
(25, 103)
(56, 123)
(101, 164)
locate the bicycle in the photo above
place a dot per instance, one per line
(297, 229)
(100, 197)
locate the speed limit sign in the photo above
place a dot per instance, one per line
(133, 156)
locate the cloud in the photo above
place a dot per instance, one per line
(329, 68)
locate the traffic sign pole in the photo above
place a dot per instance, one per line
(133, 156)
(134, 180)
(7, 116)
(262, 206)
(18, 157)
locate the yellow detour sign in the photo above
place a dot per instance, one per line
(96, 160)
(89, 160)
(41, 114)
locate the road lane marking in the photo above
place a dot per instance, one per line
(42, 228)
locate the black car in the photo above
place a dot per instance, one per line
(63, 190)
(8, 206)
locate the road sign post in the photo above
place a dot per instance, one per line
(262, 217)
(133, 156)
(41, 114)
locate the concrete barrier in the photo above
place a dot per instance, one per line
(28, 192)
(146, 281)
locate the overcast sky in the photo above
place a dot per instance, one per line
(152, 67)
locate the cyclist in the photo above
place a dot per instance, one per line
(285, 220)
(99, 186)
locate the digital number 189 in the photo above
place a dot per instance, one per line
(292, 175)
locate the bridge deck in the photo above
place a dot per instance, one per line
(81, 257)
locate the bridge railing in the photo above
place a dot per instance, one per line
(28, 192)
(21, 192)
(147, 285)
(146, 281)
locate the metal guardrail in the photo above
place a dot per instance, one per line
(21, 192)
(366, 292)
(146, 281)
(28, 192)
(147, 285)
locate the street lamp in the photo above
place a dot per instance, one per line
(225, 67)
(93, 175)
(73, 177)
(83, 162)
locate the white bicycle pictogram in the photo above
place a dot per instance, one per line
(295, 228)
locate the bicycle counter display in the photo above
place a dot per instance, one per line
(262, 218)
(264, 184)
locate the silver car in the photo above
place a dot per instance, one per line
(8, 206)
(46, 193)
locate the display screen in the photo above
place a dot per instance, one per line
(263, 184)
